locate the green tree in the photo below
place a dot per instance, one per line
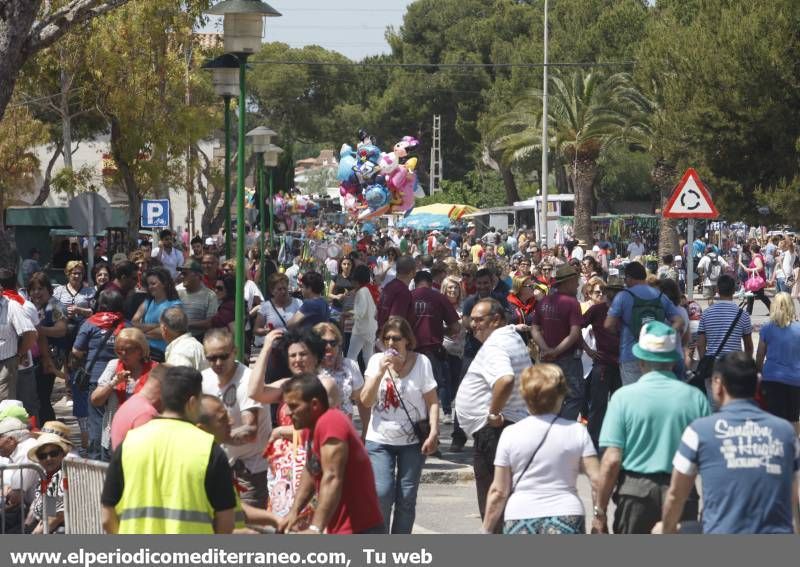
(20, 132)
(28, 26)
(584, 116)
(730, 94)
(141, 78)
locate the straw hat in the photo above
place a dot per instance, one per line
(56, 428)
(48, 439)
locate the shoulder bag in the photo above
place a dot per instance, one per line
(84, 374)
(533, 455)
(422, 428)
(275, 309)
(706, 365)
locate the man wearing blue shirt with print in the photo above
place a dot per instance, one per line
(747, 460)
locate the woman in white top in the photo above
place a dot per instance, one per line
(401, 390)
(365, 321)
(537, 464)
(344, 371)
(274, 313)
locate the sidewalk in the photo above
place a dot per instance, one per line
(450, 468)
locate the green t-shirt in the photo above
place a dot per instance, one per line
(403, 246)
(646, 420)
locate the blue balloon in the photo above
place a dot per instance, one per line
(368, 228)
(347, 161)
(376, 196)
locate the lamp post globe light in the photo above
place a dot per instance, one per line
(225, 78)
(267, 156)
(243, 27)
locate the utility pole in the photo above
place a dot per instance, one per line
(436, 156)
(545, 139)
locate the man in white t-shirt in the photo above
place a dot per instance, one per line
(636, 248)
(228, 380)
(488, 399)
(170, 257)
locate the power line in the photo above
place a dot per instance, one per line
(445, 65)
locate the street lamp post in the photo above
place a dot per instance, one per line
(260, 143)
(270, 161)
(243, 27)
(225, 78)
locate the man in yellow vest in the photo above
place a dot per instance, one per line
(168, 476)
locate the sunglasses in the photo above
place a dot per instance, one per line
(393, 338)
(52, 454)
(331, 342)
(218, 358)
(220, 288)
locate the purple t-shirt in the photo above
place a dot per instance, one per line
(432, 312)
(555, 315)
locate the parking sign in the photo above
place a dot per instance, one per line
(155, 213)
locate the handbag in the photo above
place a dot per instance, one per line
(706, 365)
(422, 428)
(754, 283)
(84, 374)
(533, 455)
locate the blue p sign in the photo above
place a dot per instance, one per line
(155, 213)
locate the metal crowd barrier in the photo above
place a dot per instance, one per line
(83, 485)
(17, 470)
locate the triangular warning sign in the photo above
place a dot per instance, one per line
(690, 199)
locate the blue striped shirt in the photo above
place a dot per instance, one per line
(715, 322)
(747, 459)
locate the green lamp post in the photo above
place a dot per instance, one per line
(243, 27)
(260, 144)
(225, 78)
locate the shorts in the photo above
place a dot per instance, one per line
(781, 400)
(550, 525)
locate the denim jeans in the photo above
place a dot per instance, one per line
(573, 371)
(604, 380)
(397, 469)
(95, 428)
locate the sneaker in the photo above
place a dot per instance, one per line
(447, 419)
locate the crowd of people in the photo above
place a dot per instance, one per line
(551, 362)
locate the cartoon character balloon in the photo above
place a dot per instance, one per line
(373, 182)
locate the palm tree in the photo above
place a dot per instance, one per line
(585, 114)
(644, 131)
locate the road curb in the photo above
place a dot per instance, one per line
(462, 474)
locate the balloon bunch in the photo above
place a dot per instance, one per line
(372, 182)
(284, 206)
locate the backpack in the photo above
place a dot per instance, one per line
(714, 270)
(644, 311)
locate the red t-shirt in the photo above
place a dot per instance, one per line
(358, 508)
(395, 300)
(432, 313)
(136, 411)
(555, 315)
(607, 342)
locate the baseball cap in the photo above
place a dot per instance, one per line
(192, 266)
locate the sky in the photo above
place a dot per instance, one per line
(355, 31)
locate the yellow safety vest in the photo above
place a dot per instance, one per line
(164, 463)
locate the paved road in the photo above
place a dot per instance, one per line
(453, 508)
